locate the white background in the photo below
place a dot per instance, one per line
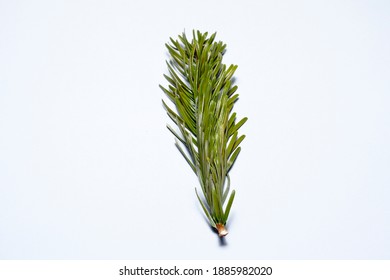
(89, 171)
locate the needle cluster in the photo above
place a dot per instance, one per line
(203, 94)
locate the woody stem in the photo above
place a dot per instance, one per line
(222, 231)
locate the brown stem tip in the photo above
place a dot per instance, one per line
(222, 231)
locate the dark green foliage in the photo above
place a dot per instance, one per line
(201, 89)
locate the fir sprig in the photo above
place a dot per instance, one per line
(203, 94)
